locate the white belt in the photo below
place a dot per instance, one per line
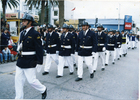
(51, 45)
(100, 44)
(118, 42)
(86, 47)
(110, 44)
(67, 47)
(28, 53)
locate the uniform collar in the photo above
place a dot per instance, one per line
(51, 33)
(27, 30)
(86, 31)
(66, 34)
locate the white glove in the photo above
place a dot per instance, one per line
(57, 52)
(76, 53)
(93, 54)
(103, 49)
(38, 68)
(19, 47)
(119, 46)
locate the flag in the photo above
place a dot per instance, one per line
(73, 9)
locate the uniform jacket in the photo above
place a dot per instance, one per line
(123, 38)
(4, 39)
(88, 40)
(69, 40)
(75, 38)
(111, 43)
(52, 40)
(31, 42)
(101, 39)
(133, 38)
(119, 40)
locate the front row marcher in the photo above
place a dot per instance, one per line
(67, 47)
(31, 54)
(86, 45)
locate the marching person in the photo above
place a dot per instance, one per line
(118, 46)
(52, 47)
(31, 54)
(86, 45)
(133, 41)
(101, 47)
(111, 44)
(124, 45)
(71, 29)
(67, 44)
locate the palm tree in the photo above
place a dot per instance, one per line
(10, 3)
(43, 3)
(61, 12)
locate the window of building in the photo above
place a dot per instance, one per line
(55, 13)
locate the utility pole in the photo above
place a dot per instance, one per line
(119, 17)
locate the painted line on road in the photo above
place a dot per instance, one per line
(8, 73)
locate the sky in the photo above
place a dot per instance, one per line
(104, 9)
(108, 9)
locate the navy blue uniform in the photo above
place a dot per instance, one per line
(69, 40)
(31, 42)
(86, 41)
(101, 41)
(4, 39)
(51, 41)
(123, 38)
(75, 38)
(133, 38)
(119, 40)
(111, 43)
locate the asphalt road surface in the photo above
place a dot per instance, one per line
(117, 82)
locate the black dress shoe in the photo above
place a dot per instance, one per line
(113, 63)
(45, 73)
(71, 73)
(44, 95)
(58, 76)
(94, 71)
(78, 79)
(76, 68)
(103, 69)
(65, 66)
(106, 64)
(118, 58)
(74, 65)
(92, 75)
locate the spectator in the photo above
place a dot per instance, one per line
(1, 57)
(7, 54)
(13, 53)
(11, 43)
(5, 38)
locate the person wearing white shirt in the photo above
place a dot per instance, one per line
(7, 54)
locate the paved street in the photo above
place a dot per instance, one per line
(119, 81)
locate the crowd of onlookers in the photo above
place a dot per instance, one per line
(8, 51)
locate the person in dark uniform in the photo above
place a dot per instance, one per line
(30, 54)
(124, 44)
(67, 47)
(101, 47)
(52, 47)
(71, 29)
(111, 44)
(86, 45)
(119, 43)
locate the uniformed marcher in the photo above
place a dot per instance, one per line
(124, 44)
(133, 41)
(71, 29)
(111, 44)
(31, 54)
(52, 48)
(101, 47)
(119, 43)
(67, 47)
(86, 45)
